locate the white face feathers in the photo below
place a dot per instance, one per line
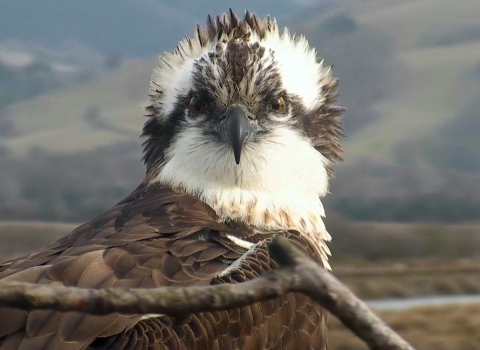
(243, 118)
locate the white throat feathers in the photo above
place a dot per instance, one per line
(276, 186)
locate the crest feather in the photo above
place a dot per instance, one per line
(173, 68)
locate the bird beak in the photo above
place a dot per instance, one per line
(237, 129)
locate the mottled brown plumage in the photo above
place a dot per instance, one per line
(157, 237)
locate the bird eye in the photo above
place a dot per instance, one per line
(279, 105)
(196, 106)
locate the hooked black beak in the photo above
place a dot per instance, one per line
(237, 129)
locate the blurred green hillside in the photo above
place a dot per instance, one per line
(410, 78)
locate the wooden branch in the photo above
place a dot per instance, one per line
(297, 273)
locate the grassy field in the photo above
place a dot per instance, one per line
(454, 327)
(356, 243)
(22, 237)
(415, 278)
(378, 260)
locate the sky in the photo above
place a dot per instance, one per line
(137, 28)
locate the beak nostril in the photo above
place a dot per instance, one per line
(222, 119)
(251, 117)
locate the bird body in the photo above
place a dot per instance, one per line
(241, 136)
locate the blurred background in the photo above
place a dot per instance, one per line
(404, 211)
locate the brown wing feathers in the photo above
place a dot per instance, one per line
(155, 237)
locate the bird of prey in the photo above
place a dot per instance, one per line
(241, 136)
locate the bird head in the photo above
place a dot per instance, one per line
(242, 115)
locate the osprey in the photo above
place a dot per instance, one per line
(239, 145)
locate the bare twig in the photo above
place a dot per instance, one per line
(298, 273)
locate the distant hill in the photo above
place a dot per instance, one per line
(410, 78)
(84, 117)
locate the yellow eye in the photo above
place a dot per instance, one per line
(279, 105)
(196, 106)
